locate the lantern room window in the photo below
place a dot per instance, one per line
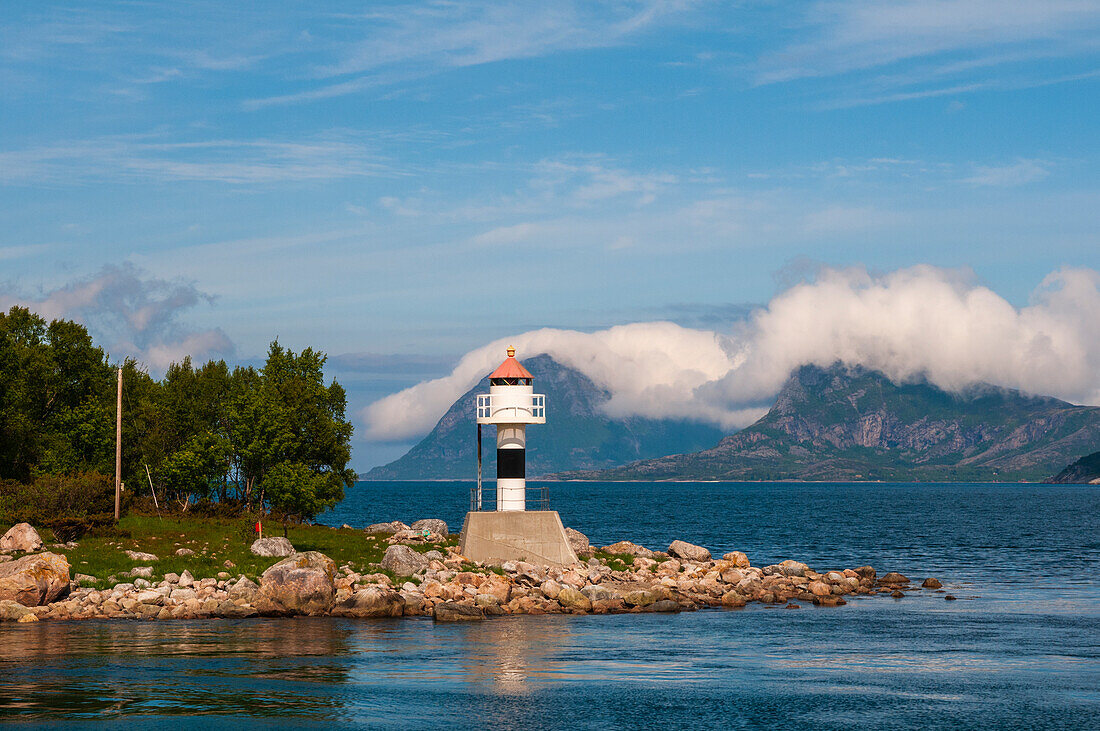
(509, 381)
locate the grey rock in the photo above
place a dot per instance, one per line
(893, 578)
(139, 556)
(186, 579)
(599, 593)
(688, 551)
(145, 572)
(11, 611)
(392, 527)
(245, 590)
(34, 580)
(629, 548)
(403, 561)
(373, 601)
(300, 584)
(664, 605)
(21, 537)
(577, 541)
(272, 546)
(184, 552)
(84, 580)
(454, 612)
(432, 525)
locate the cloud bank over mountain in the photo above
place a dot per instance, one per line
(918, 322)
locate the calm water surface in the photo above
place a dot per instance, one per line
(1021, 647)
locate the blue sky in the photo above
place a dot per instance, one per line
(398, 184)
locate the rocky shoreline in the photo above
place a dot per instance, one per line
(441, 583)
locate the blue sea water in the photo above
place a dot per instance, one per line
(1019, 649)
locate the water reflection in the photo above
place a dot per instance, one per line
(121, 667)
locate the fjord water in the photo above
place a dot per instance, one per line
(1020, 647)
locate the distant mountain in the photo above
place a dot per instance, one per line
(843, 423)
(577, 434)
(1084, 470)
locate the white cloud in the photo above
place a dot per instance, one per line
(406, 42)
(866, 34)
(236, 162)
(920, 322)
(131, 314)
(1019, 173)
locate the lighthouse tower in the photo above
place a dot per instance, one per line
(511, 532)
(511, 404)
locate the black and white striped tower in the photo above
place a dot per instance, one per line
(511, 404)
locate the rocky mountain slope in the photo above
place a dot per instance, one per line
(1085, 470)
(845, 423)
(576, 436)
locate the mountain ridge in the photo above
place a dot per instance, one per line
(848, 423)
(576, 434)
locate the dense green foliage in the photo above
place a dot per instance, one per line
(270, 438)
(70, 505)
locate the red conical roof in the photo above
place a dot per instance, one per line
(511, 368)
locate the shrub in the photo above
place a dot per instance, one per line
(69, 505)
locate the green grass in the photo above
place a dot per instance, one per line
(615, 561)
(215, 540)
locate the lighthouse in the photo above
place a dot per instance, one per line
(511, 532)
(511, 405)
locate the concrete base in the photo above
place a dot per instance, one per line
(537, 537)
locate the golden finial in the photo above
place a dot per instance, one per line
(511, 351)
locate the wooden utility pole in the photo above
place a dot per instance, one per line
(118, 449)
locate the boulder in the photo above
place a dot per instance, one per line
(688, 551)
(84, 580)
(820, 588)
(737, 558)
(184, 552)
(244, 590)
(866, 572)
(186, 579)
(597, 593)
(498, 586)
(931, 583)
(34, 580)
(392, 527)
(373, 601)
(272, 546)
(14, 611)
(793, 568)
(570, 598)
(143, 572)
(139, 556)
(641, 598)
(664, 605)
(454, 612)
(432, 525)
(300, 584)
(21, 537)
(550, 589)
(578, 541)
(731, 576)
(893, 578)
(630, 548)
(403, 561)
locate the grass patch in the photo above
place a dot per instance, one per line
(102, 553)
(615, 561)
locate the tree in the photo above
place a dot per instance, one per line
(296, 490)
